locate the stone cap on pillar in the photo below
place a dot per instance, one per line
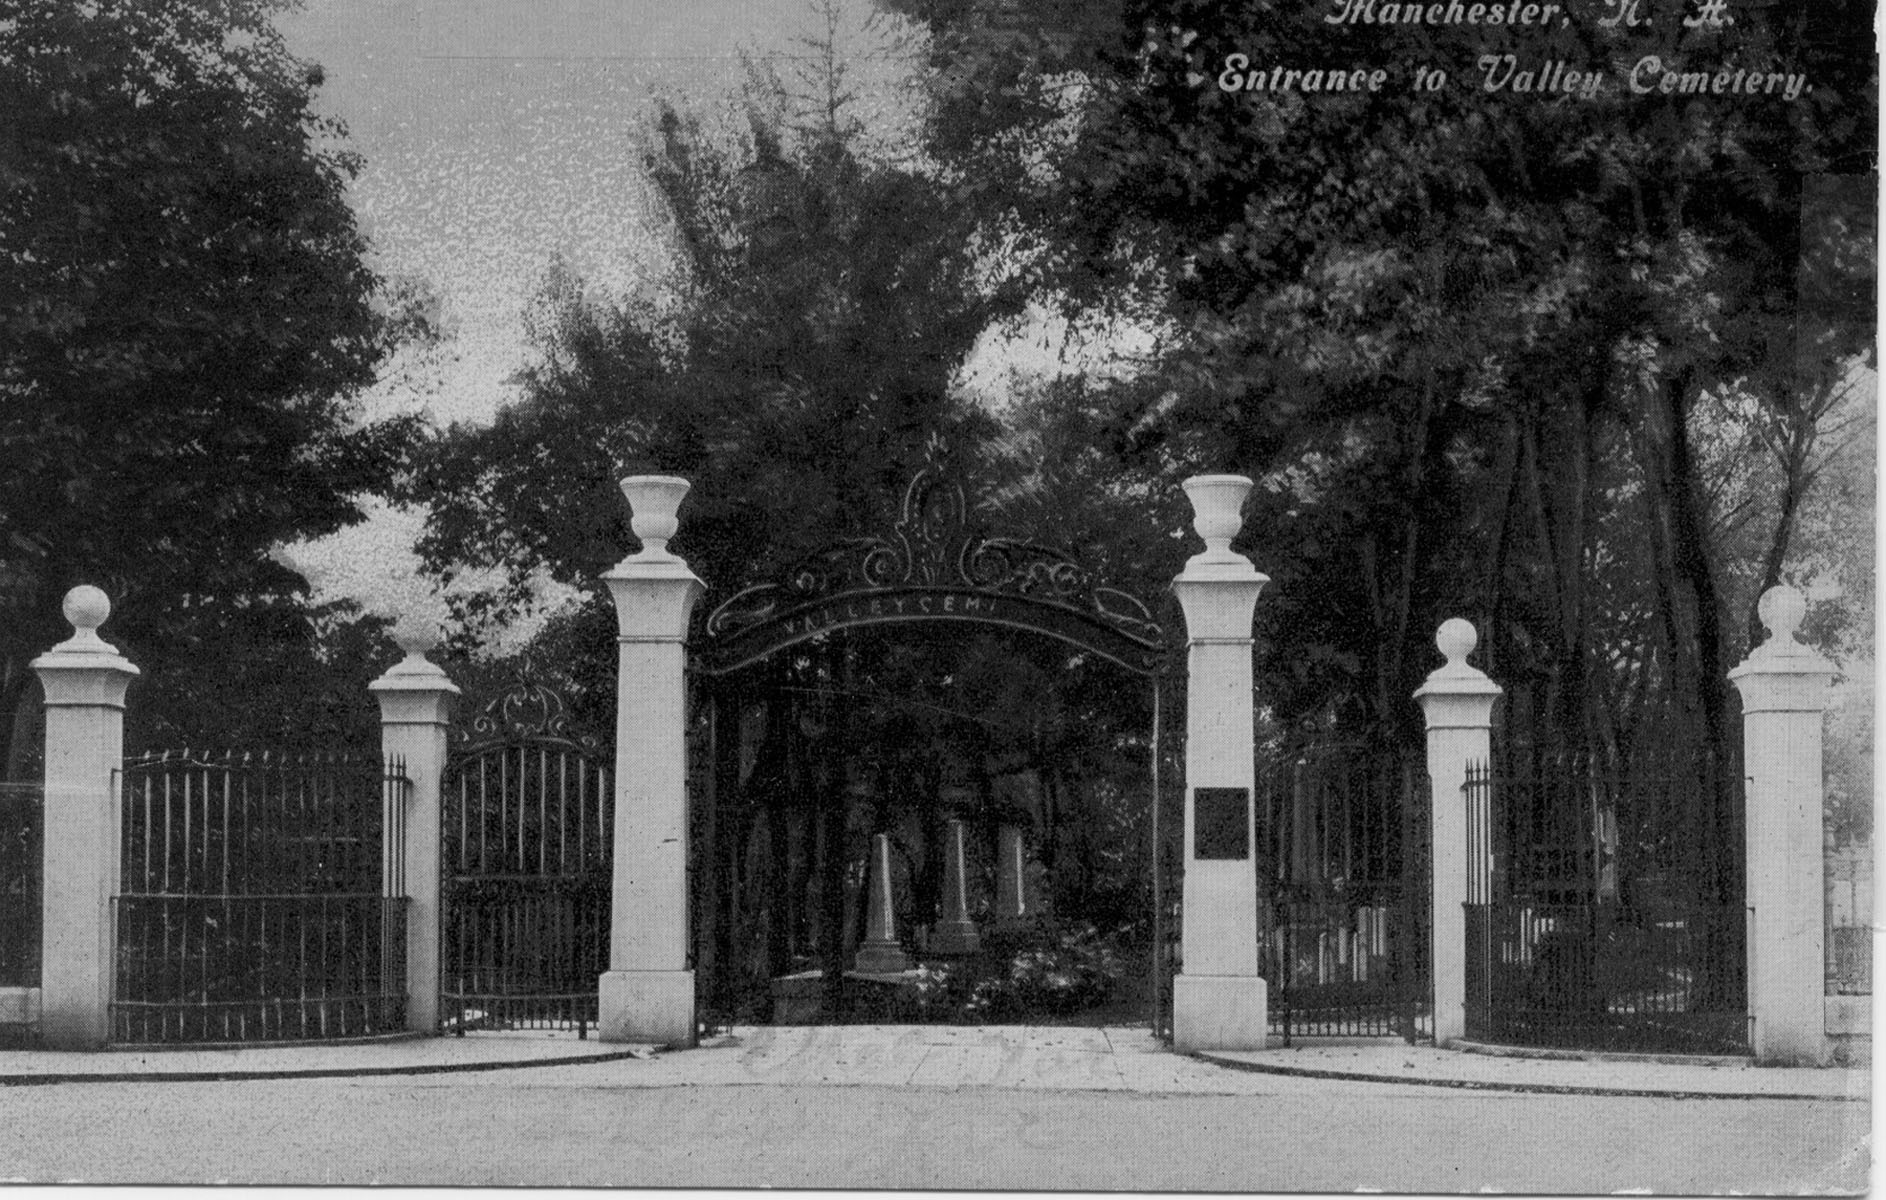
(649, 605)
(1782, 673)
(415, 690)
(1457, 694)
(1218, 589)
(85, 668)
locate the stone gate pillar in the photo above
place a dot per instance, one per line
(647, 995)
(1218, 1001)
(1457, 702)
(1784, 692)
(84, 680)
(415, 714)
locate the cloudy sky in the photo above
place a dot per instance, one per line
(498, 133)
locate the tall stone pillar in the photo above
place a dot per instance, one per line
(647, 995)
(955, 933)
(1784, 691)
(416, 702)
(1219, 1002)
(1457, 702)
(84, 680)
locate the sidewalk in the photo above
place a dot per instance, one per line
(1388, 1060)
(1051, 1058)
(394, 1056)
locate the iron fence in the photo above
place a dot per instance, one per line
(1590, 922)
(1590, 976)
(1849, 932)
(22, 830)
(260, 899)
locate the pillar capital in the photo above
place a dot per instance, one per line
(654, 598)
(414, 690)
(84, 671)
(1782, 674)
(1457, 695)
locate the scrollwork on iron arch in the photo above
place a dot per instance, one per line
(933, 548)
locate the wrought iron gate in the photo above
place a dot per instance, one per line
(1343, 893)
(1607, 919)
(528, 830)
(256, 901)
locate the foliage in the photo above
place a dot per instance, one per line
(1049, 972)
(1476, 348)
(185, 312)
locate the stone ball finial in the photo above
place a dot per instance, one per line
(654, 502)
(1781, 609)
(415, 636)
(1456, 639)
(86, 608)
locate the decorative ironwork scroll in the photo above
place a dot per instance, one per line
(528, 711)
(933, 566)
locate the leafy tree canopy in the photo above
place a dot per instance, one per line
(185, 313)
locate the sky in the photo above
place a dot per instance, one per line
(499, 135)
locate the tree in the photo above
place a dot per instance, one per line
(1489, 318)
(185, 313)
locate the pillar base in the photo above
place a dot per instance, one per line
(654, 1007)
(1790, 1047)
(955, 937)
(1220, 1012)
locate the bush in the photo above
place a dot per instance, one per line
(1040, 973)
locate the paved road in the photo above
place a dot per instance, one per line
(625, 1123)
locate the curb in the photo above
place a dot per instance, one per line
(1488, 1085)
(237, 1075)
(1553, 1054)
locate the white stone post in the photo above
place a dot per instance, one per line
(84, 679)
(647, 995)
(954, 933)
(415, 712)
(1219, 1002)
(1784, 692)
(1457, 702)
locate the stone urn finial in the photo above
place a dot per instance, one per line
(654, 501)
(1782, 609)
(1217, 512)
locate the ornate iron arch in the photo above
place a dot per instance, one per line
(933, 566)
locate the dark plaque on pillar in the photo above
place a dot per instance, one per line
(1221, 822)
